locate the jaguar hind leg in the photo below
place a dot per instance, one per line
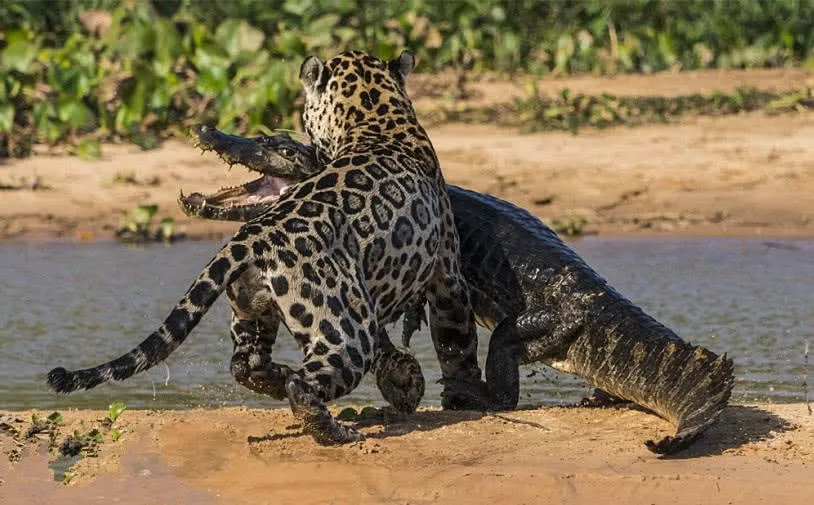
(337, 337)
(251, 364)
(502, 388)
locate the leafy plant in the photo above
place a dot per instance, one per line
(68, 477)
(85, 71)
(136, 227)
(44, 425)
(572, 226)
(114, 411)
(537, 112)
(55, 419)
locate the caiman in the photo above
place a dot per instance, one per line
(544, 303)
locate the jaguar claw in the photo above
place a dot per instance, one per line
(316, 420)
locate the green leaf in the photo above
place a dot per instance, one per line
(116, 408)
(167, 229)
(297, 7)
(20, 51)
(236, 37)
(89, 150)
(6, 117)
(67, 477)
(212, 71)
(116, 434)
(74, 112)
(56, 419)
(141, 216)
(289, 42)
(318, 32)
(169, 46)
(95, 436)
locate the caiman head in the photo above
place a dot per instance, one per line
(281, 160)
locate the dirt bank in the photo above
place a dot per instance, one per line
(757, 454)
(744, 175)
(487, 89)
(751, 174)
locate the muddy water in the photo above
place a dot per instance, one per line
(79, 305)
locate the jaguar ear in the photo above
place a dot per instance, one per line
(310, 71)
(402, 66)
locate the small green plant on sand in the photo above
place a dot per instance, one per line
(572, 226)
(136, 227)
(88, 150)
(44, 425)
(78, 443)
(114, 411)
(56, 419)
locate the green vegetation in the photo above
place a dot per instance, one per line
(47, 425)
(537, 112)
(83, 442)
(82, 71)
(572, 226)
(136, 227)
(114, 411)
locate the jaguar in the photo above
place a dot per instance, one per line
(334, 257)
(544, 303)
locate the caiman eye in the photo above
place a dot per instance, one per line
(286, 152)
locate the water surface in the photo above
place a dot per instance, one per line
(78, 305)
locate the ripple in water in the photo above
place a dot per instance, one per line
(80, 305)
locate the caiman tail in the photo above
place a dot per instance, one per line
(220, 272)
(626, 354)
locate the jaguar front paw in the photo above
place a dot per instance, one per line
(400, 380)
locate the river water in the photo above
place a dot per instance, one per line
(78, 305)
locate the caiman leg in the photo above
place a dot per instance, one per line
(513, 340)
(529, 338)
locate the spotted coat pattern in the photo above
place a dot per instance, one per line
(335, 258)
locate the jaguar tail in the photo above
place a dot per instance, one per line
(219, 273)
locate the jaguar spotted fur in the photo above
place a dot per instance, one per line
(545, 304)
(335, 257)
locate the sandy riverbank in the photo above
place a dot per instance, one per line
(745, 175)
(756, 454)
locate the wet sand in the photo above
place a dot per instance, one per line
(756, 454)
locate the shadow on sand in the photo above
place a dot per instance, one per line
(738, 426)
